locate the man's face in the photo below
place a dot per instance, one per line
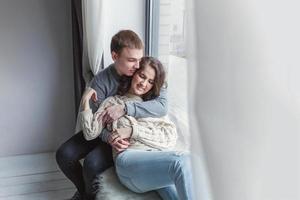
(127, 62)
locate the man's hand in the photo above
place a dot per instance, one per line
(117, 143)
(112, 113)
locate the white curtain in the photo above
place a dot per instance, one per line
(244, 82)
(93, 41)
(93, 37)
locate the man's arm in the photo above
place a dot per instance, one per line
(98, 83)
(157, 107)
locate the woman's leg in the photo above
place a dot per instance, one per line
(143, 171)
(68, 156)
(168, 192)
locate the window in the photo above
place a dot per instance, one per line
(171, 40)
(167, 32)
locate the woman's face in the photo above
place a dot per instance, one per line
(142, 81)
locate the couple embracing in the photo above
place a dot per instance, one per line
(123, 123)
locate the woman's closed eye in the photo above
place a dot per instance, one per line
(142, 76)
(132, 60)
(151, 82)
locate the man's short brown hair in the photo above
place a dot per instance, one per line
(125, 38)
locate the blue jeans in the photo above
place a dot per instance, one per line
(167, 172)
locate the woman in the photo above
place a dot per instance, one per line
(148, 164)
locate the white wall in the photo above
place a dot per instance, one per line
(36, 76)
(129, 14)
(248, 97)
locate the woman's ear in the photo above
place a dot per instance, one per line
(114, 56)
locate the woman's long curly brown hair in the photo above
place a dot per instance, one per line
(160, 75)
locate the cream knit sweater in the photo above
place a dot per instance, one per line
(148, 133)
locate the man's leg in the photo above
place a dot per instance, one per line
(97, 161)
(143, 171)
(68, 156)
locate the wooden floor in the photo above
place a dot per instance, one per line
(33, 177)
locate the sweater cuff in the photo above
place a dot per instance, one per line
(86, 113)
(135, 132)
(130, 108)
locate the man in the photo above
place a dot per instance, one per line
(126, 52)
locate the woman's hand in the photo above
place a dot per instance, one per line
(119, 139)
(117, 143)
(112, 113)
(87, 95)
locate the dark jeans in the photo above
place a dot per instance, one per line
(97, 158)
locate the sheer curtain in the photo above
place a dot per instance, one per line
(92, 48)
(244, 83)
(93, 37)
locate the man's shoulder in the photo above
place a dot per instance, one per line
(104, 76)
(105, 71)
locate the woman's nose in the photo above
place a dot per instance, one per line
(143, 83)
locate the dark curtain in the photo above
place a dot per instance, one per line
(79, 83)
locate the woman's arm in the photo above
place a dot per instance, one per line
(159, 133)
(91, 126)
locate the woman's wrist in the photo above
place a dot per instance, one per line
(85, 105)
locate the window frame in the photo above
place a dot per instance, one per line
(152, 27)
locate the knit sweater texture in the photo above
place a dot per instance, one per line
(147, 133)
